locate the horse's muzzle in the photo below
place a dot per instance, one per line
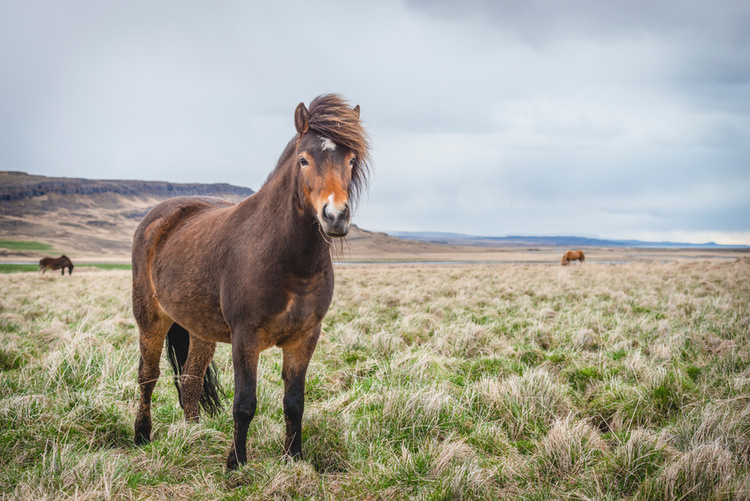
(335, 221)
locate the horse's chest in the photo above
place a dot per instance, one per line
(299, 313)
(299, 309)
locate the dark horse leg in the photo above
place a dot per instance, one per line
(296, 359)
(245, 360)
(199, 357)
(153, 330)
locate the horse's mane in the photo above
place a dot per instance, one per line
(331, 116)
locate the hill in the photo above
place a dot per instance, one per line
(95, 219)
(554, 241)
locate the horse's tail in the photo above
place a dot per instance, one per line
(178, 343)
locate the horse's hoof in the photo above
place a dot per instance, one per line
(232, 462)
(141, 440)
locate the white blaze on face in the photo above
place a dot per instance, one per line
(327, 144)
(331, 208)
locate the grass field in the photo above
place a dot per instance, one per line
(24, 245)
(17, 268)
(430, 382)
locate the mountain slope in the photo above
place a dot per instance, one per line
(96, 219)
(531, 241)
(86, 217)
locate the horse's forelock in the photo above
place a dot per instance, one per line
(332, 117)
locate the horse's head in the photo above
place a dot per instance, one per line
(332, 159)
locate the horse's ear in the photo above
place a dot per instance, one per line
(356, 110)
(301, 118)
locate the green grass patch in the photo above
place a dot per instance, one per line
(25, 245)
(18, 268)
(579, 378)
(108, 266)
(24, 268)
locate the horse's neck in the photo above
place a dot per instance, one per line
(291, 232)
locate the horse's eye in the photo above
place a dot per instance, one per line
(352, 161)
(303, 162)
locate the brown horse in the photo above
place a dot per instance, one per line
(51, 263)
(576, 255)
(262, 276)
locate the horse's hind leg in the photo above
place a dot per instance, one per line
(200, 354)
(153, 330)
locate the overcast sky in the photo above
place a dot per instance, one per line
(617, 119)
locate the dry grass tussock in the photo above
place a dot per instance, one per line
(429, 382)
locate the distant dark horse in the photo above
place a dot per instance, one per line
(576, 255)
(261, 273)
(51, 263)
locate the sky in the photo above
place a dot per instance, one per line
(617, 119)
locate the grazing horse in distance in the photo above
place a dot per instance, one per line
(576, 255)
(51, 263)
(263, 274)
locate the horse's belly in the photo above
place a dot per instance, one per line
(201, 316)
(220, 335)
(207, 327)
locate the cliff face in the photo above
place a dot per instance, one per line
(86, 217)
(19, 185)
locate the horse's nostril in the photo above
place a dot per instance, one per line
(328, 214)
(335, 217)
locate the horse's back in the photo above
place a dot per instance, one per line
(182, 207)
(170, 214)
(174, 237)
(161, 222)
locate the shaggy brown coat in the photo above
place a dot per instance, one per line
(52, 263)
(576, 255)
(257, 274)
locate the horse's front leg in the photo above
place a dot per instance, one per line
(296, 359)
(245, 360)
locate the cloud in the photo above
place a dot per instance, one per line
(609, 118)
